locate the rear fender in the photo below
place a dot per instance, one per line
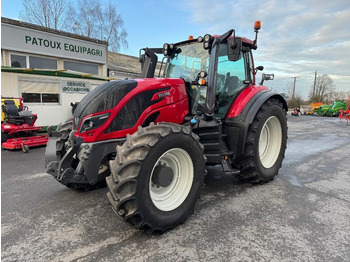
(237, 127)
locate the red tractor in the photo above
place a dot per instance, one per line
(155, 136)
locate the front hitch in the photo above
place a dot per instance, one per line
(76, 164)
(61, 157)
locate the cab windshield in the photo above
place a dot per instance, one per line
(191, 59)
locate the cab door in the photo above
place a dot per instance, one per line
(232, 77)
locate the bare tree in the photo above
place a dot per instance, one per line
(289, 90)
(323, 89)
(48, 13)
(59, 13)
(339, 95)
(93, 19)
(111, 27)
(83, 17)
(295, 102)
(87, 17)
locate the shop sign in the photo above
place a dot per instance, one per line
(37, 41)
(75, 87)
(44, 43)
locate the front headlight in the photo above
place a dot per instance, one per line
(93, 122)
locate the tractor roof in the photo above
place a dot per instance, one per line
(245, 41)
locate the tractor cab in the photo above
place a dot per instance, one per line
(192, 62)
(214, 68)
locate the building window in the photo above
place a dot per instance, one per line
(81, 67)
(41, 62)
(31, 98)
(47, 92)
(19, 61)
(50, 98)
(40, 98)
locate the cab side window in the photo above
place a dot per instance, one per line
(249, 66)
(230, 80)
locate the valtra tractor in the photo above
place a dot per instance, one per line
(155, 136)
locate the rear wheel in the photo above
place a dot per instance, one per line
(266, 143)
(157, 176)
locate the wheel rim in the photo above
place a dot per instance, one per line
(170, 197)
(270, 142)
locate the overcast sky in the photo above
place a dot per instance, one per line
(296, 39)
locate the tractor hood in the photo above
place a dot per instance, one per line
(102, 98)
(126, 100)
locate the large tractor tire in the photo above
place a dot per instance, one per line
(157, 176)
(265, 144)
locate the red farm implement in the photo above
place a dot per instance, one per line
(17, 126)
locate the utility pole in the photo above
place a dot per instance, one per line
(314, 90)
(295, 79)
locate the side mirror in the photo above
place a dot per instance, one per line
(148, 62)
(267, 77)
(234, 47)
(259, 68)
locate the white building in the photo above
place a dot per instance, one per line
(49, 68)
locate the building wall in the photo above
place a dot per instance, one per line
(48, 113)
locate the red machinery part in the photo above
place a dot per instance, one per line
(344, 114)
(20, 142)
(12, 128)
(243, 98)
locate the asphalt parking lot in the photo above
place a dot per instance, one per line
(303, 215)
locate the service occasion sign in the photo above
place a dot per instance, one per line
(32, 41)
(75, 87)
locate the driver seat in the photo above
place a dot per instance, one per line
(14, 115)
(227, 93)
(231, 85)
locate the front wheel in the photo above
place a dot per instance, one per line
(266, 143)
(157, 176)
